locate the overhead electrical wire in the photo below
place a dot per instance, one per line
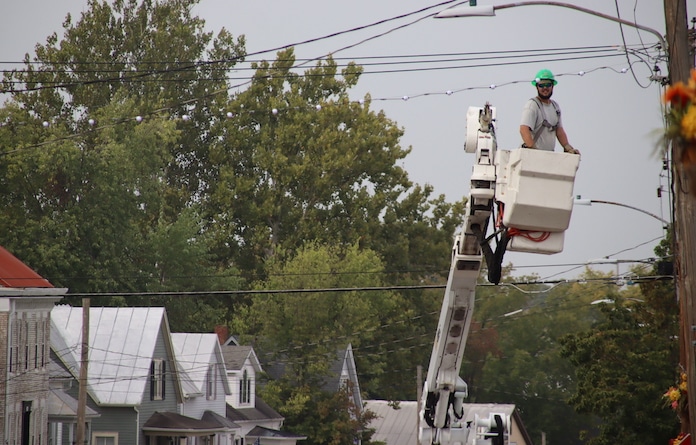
(568, 51)
(363, 61)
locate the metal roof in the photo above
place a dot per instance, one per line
(194, 352)
(394, 426)
(396, 423)
(121, 345)
(63, 407)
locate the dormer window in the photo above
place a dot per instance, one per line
(245, 389)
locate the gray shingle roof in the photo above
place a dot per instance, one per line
(259, 431)
(235, 356)
(177, 423)
(262, 411)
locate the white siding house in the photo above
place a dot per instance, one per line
(205, 386)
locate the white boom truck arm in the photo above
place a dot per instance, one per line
(533, 193)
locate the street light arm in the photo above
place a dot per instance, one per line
(462, 12)
(599, 201)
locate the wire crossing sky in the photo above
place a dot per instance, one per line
(610, 116)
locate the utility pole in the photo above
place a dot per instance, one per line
(82, 390)
(680, 63)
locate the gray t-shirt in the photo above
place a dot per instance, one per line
(533, 116)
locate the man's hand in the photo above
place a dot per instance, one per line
(569, 149)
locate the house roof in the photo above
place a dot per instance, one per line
(62, 406)
(211, 416)
(259, 431)
(236, 356)
(194, 352)
(14, 273)
(394, 426)
(344, 368)
(397, 423)
(167, 423)
(262, 411)
(121, 347)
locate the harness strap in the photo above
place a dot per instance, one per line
(545, 123)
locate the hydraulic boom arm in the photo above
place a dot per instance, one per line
(444, 391)
(531, 192)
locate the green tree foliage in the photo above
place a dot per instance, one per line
(303, 330)
(87, 185)
(302, 162)
(300, 334)
(626, 362)
(516, 351)
(185, 198)
(334, 419)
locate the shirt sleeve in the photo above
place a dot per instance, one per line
(529, 115)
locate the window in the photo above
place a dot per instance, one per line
(14, 345)
(210, 383)
(36, 345)
(44, 342)
(104, 438)
(245, 388)
(25, 340)
(157, 374)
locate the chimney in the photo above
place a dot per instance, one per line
(223, 333)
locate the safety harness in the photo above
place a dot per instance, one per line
(546, 123)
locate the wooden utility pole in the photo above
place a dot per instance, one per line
(82, 390)
(680, 63)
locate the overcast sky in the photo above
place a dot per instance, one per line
(611, 116)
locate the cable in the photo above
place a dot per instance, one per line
(170, 108)
(623, 39)
(404, 59)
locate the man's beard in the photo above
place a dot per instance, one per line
(545, 96)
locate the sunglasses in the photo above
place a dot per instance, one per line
(544, 85)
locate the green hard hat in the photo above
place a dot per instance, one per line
(544, 75)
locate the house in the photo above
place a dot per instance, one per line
(397, 422)
(26, 300)
(259, 422)
(135, 384)
(204, 381)
(343, 374)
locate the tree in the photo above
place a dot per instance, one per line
(300, 161)
(626, 362)
(300, 332)
(524, 366)
(305, 329)
(86, 185)
(325, 418)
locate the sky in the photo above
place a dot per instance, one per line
(611, 111)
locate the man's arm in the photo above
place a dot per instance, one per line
(527, 136)
(562, 136)
(563, 140)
